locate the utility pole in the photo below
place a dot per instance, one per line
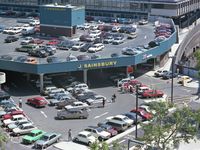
(136, 118)
(172, 83)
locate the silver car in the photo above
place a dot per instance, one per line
(72, 114)
(46, 140)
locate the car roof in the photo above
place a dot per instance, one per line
(49, 134)
(78, 102)
(27, 124)
(84, 133)
(120, 116)
(17, 116)
(36, 131)
(39, 98)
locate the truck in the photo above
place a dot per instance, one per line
(28, 31)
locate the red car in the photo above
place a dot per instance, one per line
(152, 93)
(53, 42)
(37, 101)
(135, 82)
(9, 116)
(145, 115)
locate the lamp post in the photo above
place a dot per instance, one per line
(136, 117)
(172, 83)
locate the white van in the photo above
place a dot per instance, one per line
(28, 31)
(51, 93)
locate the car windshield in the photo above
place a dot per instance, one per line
(31, 134)
(45, 138)
(99, 129)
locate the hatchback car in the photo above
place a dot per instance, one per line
(85, 137)
(37, 102)
(72, 114)
(96, 47)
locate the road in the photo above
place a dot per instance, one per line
(44, 118)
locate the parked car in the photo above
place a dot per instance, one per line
(96, 47)
(98, 133)
(114, 55)
(120, 118)
(96, 101)
(11, 126)
(122, 81)
(21, 59)
(31, 60)
(71, 58)
(109, 129)
(132, 35)
(23, 129)
(72, 114)
(27, 48)
(118, 40)
(152, 94)
(78, 46)
(53, 59)
(64, 102)
(46, 140)
(38, 53)
(9, 116)
(142, 89)
(129, 51)
(37, 102)
(83, 57)
(53, 42)
(143, 22)
(85, 47)
(160, 73)
(27, 40)
(77, 106)
(95, 33)
(38, 41)
(85, 137)
(153, 44)
(65, 45)
(14, 119)
(169, 75)
(59, 97)
(108, 40)
(187, 79)
(132, 116)
(145, 115)
(11, 38)
(96, 56)
(33, 136)
(115, 29)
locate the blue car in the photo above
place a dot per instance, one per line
(132, 116)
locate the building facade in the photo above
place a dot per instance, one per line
(114, 8)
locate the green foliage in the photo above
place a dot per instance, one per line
(167, 130)
(3, 140)
(95, 146)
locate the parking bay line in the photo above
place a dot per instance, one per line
(100, 115)
(43, 114)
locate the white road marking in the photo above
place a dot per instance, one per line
(43, 114)
(100, 115)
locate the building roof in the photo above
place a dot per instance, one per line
(167, 1)
(59, 6)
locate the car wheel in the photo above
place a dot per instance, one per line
(89, 143)
(44, 146)
(76, 140)
(100, 138)
(57, 140)
(62, 117)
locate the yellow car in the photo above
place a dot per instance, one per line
(187, 79)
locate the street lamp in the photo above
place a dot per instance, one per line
(172, 76)
(136, 117)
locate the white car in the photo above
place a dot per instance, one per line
(98, 133)
(23, 129)
(86, 26)
(27, 40)
(95, 33)
(15, 30)
(7, 30)
(120, 118)
(18, 123)
(71, 58)
(121, 82)
(82, 86)
(147, 109)
(85, 137)
(77, 46)
(14, 119)
(96, 47)
(142, 89)
(77, 106)
(97, 101)
(160, 73)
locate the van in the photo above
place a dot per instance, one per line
(48, 88)
(119, 126)
(28, 31)
(51, 93)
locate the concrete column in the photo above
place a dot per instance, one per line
(41, 82)
(85, 76)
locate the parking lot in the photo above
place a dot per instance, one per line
(145, 34)
(44, 118)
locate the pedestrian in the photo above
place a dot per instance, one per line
(113, 98)
(69, 135)
(104, 101)
(20, 102)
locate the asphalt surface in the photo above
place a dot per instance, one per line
(44, 118)
(145, 35)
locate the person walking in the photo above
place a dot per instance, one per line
(20, 102)
(113, 98)
(104, 101)
(69, 135)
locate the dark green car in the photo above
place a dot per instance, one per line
(33, 136)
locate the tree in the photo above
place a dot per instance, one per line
(104, 146)
(3, 140)
(167, 130)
